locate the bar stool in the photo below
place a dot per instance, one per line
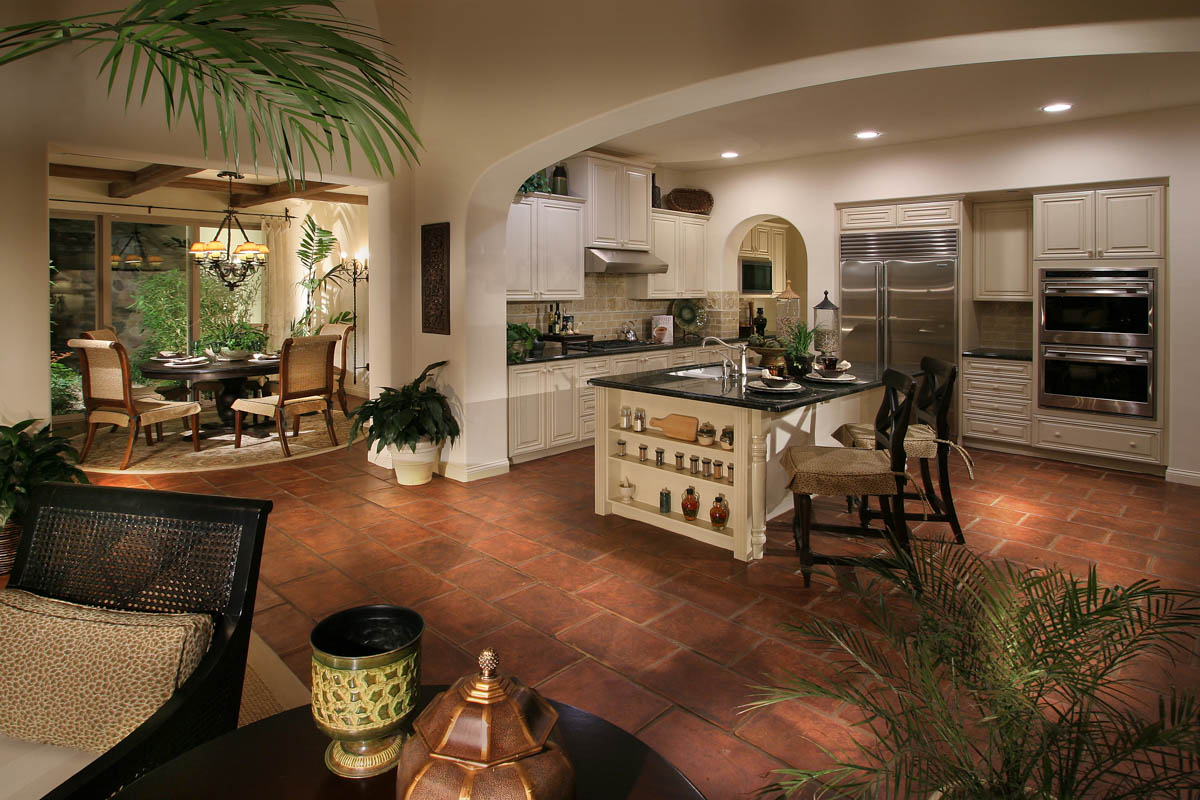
(928, 438)
(858, 472)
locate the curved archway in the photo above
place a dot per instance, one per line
(480, 369)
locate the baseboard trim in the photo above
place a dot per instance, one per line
(1190, 477)
(1070, 457)
(475, 472)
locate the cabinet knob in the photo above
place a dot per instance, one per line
(1057, 435)
(1133, 444)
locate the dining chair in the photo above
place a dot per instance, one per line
(109, 334)
(305, 386)
(108, 398)
(339, 358)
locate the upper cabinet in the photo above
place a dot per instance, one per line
(1100, 223)
(757, 242)
(768, 240)
(1003, 251)
(927, 214)
(544, 248)
(680, 240)
(617, 200)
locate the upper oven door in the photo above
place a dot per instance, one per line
(1113, 307)
(1108, 380)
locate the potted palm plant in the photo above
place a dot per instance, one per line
(27, 459)
(412, 422)
(797, 339)
(978, 679)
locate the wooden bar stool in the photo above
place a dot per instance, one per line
(928, 438)
(858, 472)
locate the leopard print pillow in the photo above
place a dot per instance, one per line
(83, 677)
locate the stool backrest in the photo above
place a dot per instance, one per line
(891, 423)
(936, 394)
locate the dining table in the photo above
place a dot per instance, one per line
(233, 376)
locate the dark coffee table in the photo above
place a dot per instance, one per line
(231, 374)
(283, 756)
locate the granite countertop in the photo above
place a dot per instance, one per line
(1006, 353)
(641, 347)
(731, 393)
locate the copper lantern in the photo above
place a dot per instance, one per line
(487, 736)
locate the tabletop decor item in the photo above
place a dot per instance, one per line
(690, 505)
(412, 422)
(232, 341)
(366, 670)
(690, 315)
(692, 201)
(827, 326)
(662, 328)
(797, 339)
(487, 736)
(726, 439)
(706, 434)
(626, 489)
(664, 501)
(718, 515)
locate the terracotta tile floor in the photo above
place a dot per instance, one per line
(657, 633)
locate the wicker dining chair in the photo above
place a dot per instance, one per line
(305, 386)
(151, 551)
(108, 398)
(139, 392)
(345, 331)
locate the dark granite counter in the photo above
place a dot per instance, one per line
(731, 393)
(1005, 353)
(641, 347)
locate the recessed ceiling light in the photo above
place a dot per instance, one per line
(868, 135)
(1055, 108)
(729, 154)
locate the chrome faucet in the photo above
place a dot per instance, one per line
(727, 363)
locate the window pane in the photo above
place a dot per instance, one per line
(149, 287)
(72, 303)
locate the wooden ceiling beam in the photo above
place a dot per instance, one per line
(89, 173)
(283, 191)
(338, 197)
(211, 185)
(148, 178)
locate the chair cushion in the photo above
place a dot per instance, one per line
(919, 442)
(28, 770)
(838, 471)
(265, 406)
(84, 677)
(149, 412)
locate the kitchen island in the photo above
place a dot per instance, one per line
(764, 425)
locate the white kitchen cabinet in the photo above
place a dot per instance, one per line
(657, 361)
(526, 409)
(604, 203)
(693, 237)
(680, 240)
(927, 214)
(617, 200)
(1003, 251)
(1101, 223)
(544, 248)
(868, 217)
(562, 408)
(635, 216)
(778, 256)
(997, 399)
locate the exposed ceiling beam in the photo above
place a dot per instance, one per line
(211, 185)
(148, 178)
(338, 197)
(89, 173)
(283, 191)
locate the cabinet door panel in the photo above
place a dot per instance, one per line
(762, 241)
(1003, 252)
(1064, 225)
(1129, 222)
(526, 410)
(560, 251)
(868, 217)
(604, 203)
(660, 361)
(625, 365)
(562, 412)
(692, 260)
(519, 251)
(778, 255)
(665, 246)
(937, 212)
(636, 214)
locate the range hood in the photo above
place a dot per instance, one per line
(622, 262)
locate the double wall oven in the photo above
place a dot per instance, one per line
(1096, 339)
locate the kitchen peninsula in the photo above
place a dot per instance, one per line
(763, 426)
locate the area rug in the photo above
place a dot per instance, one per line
(270, 687)
(174, 453)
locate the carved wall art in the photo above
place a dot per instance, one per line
(435, 278)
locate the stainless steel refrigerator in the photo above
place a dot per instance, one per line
(899, 298)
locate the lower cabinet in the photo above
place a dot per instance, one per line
(997, 399)
(543, 407)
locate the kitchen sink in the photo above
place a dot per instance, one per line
(713, 373)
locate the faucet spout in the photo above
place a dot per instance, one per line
(742, 347)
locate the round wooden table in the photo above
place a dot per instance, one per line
(284, 756)
(231, 374)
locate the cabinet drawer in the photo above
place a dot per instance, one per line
(992, 388)
(998, 368)
(590, 368)
(587, 402)
(869, 217)
(1022, 409)
(938, 212)
(996, 428)
(683, 357)
(587, 428)
(1136, 444)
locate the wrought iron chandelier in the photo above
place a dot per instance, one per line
(231, 265)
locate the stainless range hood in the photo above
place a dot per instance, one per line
(622, 262)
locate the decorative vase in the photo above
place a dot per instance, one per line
(10, 538)
(719, 513)
(414, 468)
(690, 505)
(366, 671)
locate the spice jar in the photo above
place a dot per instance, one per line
(642, 452)
(718, 515)
(726, 440)
(707, 467)
(679, 461)
(690, 505)
(706, 433)
(695, 465)
(626, 418)
(621, 447)
(659, 453)
(664, 501)
(730, 472)
(719, 470)
(639, 420)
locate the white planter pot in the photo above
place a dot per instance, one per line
(414, 469)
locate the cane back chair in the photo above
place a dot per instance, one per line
(345, 331)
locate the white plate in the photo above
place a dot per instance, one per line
(759, 386)
(845, 378)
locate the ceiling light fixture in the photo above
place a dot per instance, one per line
(231, 265)
(729, 154)
(1055, 108)
(868, 135)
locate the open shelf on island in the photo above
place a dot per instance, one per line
(659, 437)
(670, 469)
(699, 528)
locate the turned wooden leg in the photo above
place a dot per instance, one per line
(87, 442)
(238, 416)
(296, 426)
(281, 426)
(133, 432)
(195, 432)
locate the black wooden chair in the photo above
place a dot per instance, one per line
(195, 553)
(848, 471)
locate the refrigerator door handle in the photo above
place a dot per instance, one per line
(882, 355)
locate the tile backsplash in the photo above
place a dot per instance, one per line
(1004, 324)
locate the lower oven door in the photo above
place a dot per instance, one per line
(1110, 380)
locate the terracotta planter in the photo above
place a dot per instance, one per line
(10, 537)
(414, 469)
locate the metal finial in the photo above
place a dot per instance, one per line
(489, 660)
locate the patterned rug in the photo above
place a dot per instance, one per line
(174, 453)
(270, 687)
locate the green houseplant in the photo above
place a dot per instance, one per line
(412, 417)
(797, 339)
(232, 341)
(27, 459)
(521, 338)
(993, 682)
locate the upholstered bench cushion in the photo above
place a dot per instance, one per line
(28, 770)
(919, 442)
(83, 677)
(838, 471)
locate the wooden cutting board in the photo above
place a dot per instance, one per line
(677, 426)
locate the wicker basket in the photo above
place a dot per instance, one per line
(693, 201)
(10, 537)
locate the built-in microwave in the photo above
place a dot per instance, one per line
(756, 276)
